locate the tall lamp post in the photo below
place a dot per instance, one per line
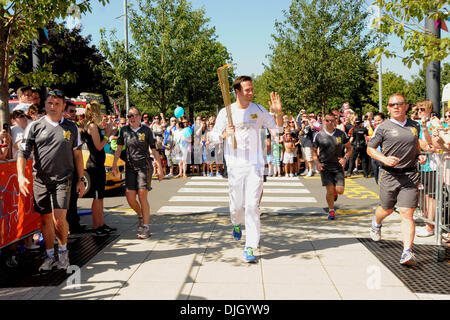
(380, 70)
(433, 71)
(125, 7)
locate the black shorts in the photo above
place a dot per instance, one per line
(335, 177)
(398, 189)
(47, 197)
(141, 178)
(98, 181)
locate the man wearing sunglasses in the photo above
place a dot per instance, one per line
(140, 142)
(328, 149)
(17, 130)
(55, 143)
(398, 177)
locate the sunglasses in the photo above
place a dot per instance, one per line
(422, 109)
(447, 115)
(132, 115)
(145, 117)
(57, 93)
(21, 116)
(397, 104)
(72, 111)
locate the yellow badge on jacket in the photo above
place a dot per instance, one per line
(67, 135)
(253, 115)
(141, 136)
(338, 140)
(414, 131)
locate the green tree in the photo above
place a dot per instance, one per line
(69, 54)
(177, 55)
(406, 20)
(20, 22)
(120, 65)
(319, 59)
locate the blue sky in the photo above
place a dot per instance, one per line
(244, 27)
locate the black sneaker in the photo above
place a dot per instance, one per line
(78, 229)
(100, 232)
(108, 228)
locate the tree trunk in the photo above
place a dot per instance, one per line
(4, 85)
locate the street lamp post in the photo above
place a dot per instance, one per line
(125, 6)
(433, 71)
(380, 70)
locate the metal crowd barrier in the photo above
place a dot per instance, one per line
(434, 191)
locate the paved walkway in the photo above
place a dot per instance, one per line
(196, 258)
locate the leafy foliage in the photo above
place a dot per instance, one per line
(72, 65)
(173, 59)
(319, 59)
(406, 19)
(20, 22)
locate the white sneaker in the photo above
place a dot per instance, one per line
(310, 173)
(291, 175)
(63, 260)
(304, 173)
(140, 225)
(375, 233)
(48, 265)
(145, 234)
(423, 232)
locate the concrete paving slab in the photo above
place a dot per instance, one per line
(288, 257)
(231, 291)
(301, 291)
(101, 271)
(356, 292)
(228, 273)
(363, 275)
(159, 272)
(154, 291)
(289, 274)
(92, 290)
(176, 256)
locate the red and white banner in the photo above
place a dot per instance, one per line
(17, 216)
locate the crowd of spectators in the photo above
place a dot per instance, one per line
(184, 146)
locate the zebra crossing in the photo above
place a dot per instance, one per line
(282, 195)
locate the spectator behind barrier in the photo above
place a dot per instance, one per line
(5, 142)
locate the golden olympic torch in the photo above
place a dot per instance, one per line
(222, 72)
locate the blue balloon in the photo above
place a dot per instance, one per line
(187, 132)
(179, 112)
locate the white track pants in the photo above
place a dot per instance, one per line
(246, 185)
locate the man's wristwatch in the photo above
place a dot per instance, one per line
(81, 179)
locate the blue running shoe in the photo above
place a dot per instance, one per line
(408, 258)
(237, 232)
(248, 254)
(331, 214)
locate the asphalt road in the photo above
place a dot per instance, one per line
(298, 195)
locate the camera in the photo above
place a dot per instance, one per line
(5, 126)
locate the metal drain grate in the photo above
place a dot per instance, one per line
(82, 248)
(429, 276)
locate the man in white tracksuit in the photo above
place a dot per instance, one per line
(246, 163)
